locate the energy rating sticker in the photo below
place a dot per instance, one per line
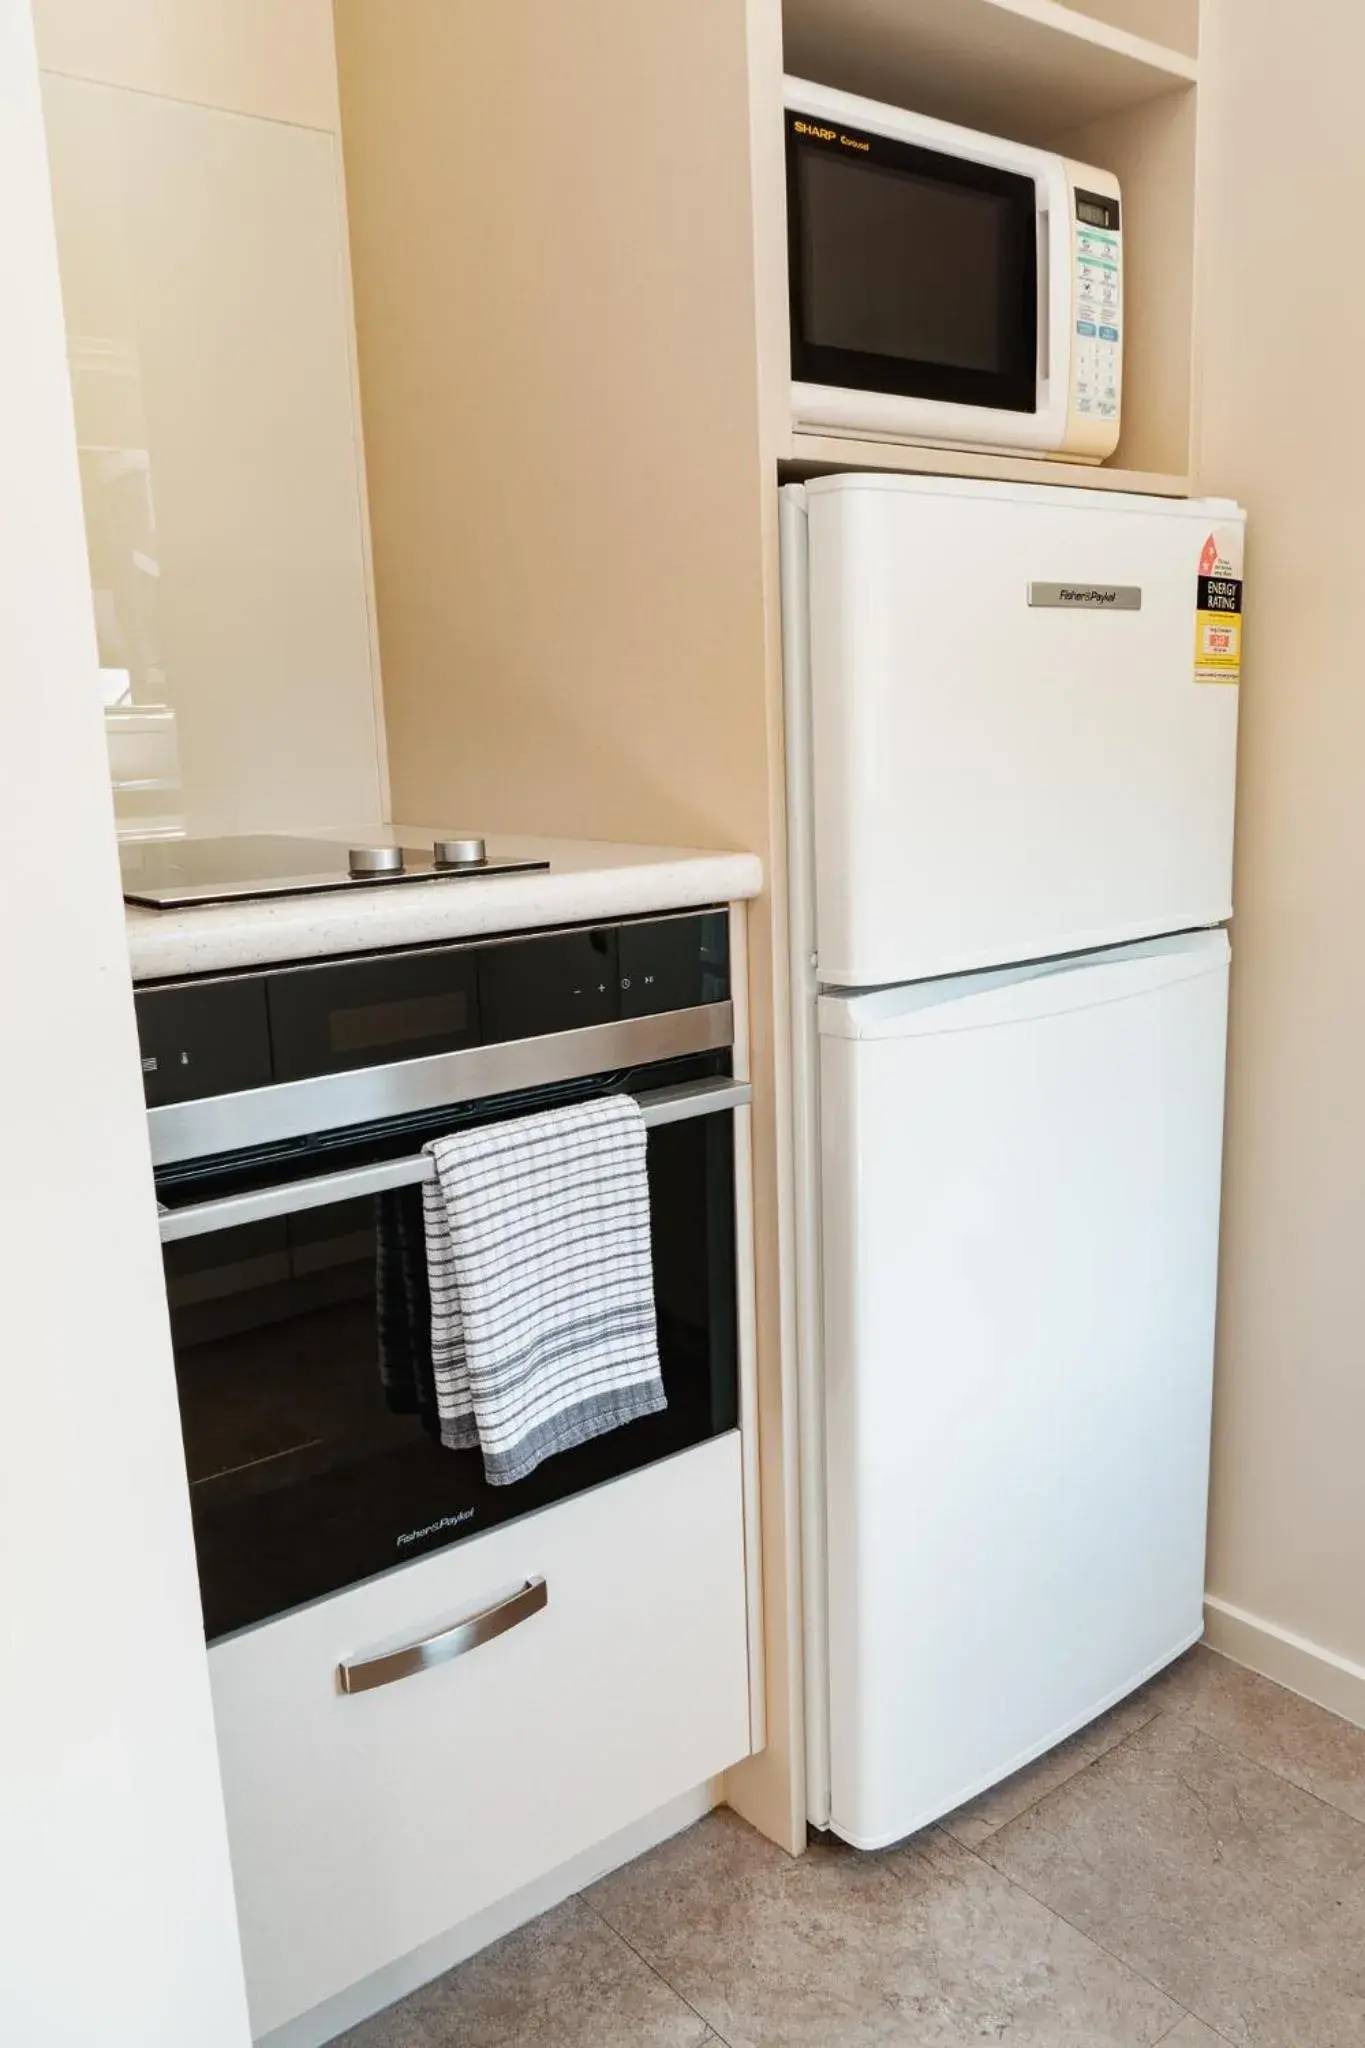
(1218, 608)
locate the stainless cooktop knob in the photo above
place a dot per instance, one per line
(375, 860)
(459, 853)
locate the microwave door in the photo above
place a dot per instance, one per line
(912, 272)
(919, 284)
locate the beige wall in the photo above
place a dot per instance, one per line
(270, 57)
(201, 227)
(1283, 428)
(556, 317)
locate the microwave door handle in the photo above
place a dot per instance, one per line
(1044, 292)
(196, 1219)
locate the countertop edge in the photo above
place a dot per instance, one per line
(166, 944)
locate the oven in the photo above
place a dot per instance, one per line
(288, 1108)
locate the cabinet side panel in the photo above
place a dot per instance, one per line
(572, 500)
(555, 305)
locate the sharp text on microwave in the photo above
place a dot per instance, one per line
(830, 135)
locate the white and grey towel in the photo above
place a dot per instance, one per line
(542, 1292)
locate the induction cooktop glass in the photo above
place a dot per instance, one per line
(180, 873)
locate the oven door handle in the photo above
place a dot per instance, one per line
(196, 1219)
(369, 1672)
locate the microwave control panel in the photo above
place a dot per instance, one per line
(1099, 293)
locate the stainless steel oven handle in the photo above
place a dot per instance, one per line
(210, 1124)
(447, 1642)
(196, 1219)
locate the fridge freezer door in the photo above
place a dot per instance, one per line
(1020, 1185)
(997, 779)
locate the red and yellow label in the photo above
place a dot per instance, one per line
(1218, 608)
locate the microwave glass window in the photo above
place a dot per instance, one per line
(902, 265)
(912, 271)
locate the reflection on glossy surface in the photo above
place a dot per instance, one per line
(203, 277)
(311, 1464)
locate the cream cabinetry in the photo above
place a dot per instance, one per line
(1114, 84)
(569, 249)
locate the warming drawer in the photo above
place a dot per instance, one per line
(365, 1823)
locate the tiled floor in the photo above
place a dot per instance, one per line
(1190, 1870)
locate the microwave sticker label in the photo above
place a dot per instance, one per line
(1218, 608)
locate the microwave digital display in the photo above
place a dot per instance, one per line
(1096, 211)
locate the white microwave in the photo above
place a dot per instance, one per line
(947, 287)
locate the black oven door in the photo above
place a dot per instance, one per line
(911, 272)
(310, 1463)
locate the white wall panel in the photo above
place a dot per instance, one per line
(116, 1912)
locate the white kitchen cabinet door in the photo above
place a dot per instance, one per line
(363, 1825)
(1020, 1234)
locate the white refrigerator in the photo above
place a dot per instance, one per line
(1011, 735)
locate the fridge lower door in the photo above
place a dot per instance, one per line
(1020, 1188)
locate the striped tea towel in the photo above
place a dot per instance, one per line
(542, 1289)
(393, 1323)
(403, 1319)
(455, 1422)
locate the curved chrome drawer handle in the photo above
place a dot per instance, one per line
(447, 1642)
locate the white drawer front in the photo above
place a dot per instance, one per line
(364, 1824)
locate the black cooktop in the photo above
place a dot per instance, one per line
(165, 874)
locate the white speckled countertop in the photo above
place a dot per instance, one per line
(586, 880)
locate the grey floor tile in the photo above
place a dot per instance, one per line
(1238, 1893)
(565, 1981)
(1192, 2033)
(924, 1946)
(979, 1819)
(1304, 1743)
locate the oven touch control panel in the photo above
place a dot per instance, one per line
(220, 1034)
(203, 1038)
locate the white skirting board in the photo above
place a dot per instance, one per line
(1304, 1667)
(360, 2001)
